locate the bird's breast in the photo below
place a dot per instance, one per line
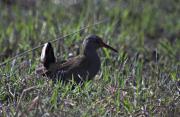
(94, 67)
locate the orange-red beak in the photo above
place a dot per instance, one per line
(108, 47)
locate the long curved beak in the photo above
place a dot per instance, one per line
(108, 47)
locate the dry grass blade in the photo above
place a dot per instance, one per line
(23, 93)
(33, 104)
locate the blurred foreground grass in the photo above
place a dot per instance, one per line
(143, 79)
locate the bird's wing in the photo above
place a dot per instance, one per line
(73, 66)
(75, 63)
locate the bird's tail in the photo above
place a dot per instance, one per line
(47, 55)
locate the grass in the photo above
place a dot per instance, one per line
(142, 79)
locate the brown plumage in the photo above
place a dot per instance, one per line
(80, 68)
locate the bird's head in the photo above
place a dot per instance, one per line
(96, 42)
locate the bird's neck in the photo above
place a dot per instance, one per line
(90, 53)
(94, 60)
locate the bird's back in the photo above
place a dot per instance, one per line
(76, 68)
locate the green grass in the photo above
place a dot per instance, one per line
(142, 79)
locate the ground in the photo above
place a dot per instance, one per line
(143, 79)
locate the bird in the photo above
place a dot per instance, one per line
(81, 68)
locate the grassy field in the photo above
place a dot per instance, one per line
(143, 79)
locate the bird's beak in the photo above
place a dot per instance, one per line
(108, 47)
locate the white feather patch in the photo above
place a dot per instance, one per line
(43, 52)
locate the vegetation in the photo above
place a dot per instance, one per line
(143, 79)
